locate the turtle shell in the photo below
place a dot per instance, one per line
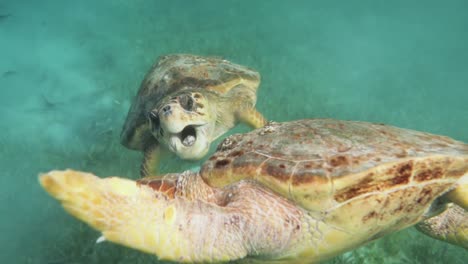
(321, 163)
(173, 73)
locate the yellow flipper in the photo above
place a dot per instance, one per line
(252, 117)
(140, 217)
(109, 205)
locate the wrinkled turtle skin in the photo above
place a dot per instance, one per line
(293, 192)
(187, 101)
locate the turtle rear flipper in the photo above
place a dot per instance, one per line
(450, 226)
(460, 194)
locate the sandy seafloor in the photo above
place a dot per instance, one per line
(69, 71)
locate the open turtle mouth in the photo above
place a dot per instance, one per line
(186, 139)
(188, 136)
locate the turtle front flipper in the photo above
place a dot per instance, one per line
(252, 118)
(241, 101)
(90, 198)
(180, 218)
(124, 211)
(151, 158)
(450, 226)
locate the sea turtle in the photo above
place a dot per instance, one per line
(187, 101)
(295, 192)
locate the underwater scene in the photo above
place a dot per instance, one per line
(70, 71)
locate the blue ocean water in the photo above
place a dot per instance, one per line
(69, 71)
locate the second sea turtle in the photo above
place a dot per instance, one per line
(187, 101)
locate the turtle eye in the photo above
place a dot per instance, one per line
(186, 102)
(154, 120)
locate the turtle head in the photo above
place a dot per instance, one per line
(184, 122)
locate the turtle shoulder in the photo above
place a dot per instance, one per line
(321, 162)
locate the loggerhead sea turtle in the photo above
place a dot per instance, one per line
(185, 102)
(296, 192)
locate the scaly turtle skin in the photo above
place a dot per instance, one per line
(295, 192)
(185, 102)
